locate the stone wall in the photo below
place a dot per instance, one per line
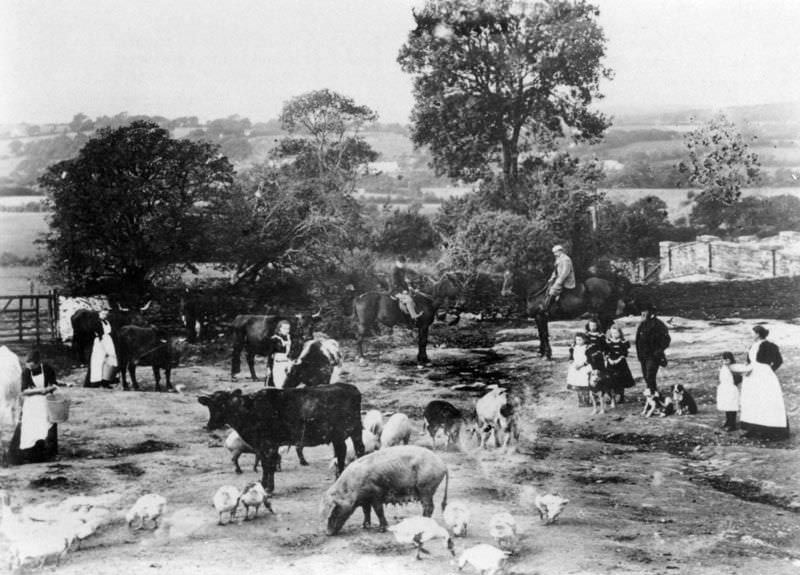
(746, 258)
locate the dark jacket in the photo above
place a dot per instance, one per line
(770, 354)
(399, 281)
(652, 338)
(49, 377)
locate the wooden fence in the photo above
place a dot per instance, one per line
(29, 318)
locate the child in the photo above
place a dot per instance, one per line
(616, 352)
(579, 370)
(595, 344)
(728, 391)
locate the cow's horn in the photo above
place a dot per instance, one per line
(318, 314)
(120, 308)
(147, 305)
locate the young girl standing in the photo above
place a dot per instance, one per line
(728, 391)
(616, 351)
(279, 362)
(579, 370)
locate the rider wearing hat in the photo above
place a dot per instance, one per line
(401, 288)
(563, 276)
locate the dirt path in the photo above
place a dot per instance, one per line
(646, 495)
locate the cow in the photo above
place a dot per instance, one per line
(306, 416)
(144, 345)
(318, 364)
(10, 391)
(253, 334)
(86, 324)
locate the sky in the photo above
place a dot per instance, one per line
(212, 59)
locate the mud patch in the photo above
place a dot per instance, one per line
(127, 469)
(147, 446)
(61, 483)
(592, 479)
(678, 444)
(381, 547)
(747, 491)
(298, 542)
(528, 474)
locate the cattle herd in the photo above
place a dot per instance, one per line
(373, 460)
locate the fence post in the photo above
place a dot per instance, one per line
(19, 318)
(774, 263)
(709, 258)
(38, 337)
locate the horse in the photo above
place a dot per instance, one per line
(374, 307)
(594, 297)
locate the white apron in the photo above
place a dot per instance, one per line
(762, 399)
(281, 365)
(34, 425)
(578, 371)
(727, 391)
(103, 354)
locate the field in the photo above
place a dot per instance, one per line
(646, 495)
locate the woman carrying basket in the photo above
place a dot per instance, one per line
(35, 438)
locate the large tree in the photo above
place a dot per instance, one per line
(324, 135)
(719, 161)
(496, 80)
(131, 204)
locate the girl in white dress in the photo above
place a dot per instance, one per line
(763, 412)
(728, 391)
(579, 369)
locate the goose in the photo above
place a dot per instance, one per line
(487, 559)
(550, 506)
(254, 495)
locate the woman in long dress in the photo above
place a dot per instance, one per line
(763, 412)
(35, 438)
(103, 361)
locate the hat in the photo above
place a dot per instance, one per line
(558, 248)
(651, 307)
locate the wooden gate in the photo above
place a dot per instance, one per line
(29, 318)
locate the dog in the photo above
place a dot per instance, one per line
(654, 404)
(684, 402)
(601, 387)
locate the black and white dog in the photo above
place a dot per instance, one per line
(684, 402)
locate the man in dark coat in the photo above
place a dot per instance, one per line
(652, 338)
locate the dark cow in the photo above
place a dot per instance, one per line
(144, 345)
(304, 416)
(318, 364)
(253, 334)
(86, 325)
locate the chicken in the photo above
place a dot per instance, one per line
(456, 517)
(550, 506)
(226, 500)
(487, 559)
(148, 507)
(418, 530)
(254, 495)
(503, 529)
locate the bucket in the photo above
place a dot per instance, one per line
(109, 371)
(57, 408)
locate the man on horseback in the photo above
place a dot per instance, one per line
(401, 289)
(563, 277)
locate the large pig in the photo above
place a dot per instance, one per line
(392, 475)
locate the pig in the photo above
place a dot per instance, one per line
(396, 431)
(442, 414)
(395, 474)
(373, 422)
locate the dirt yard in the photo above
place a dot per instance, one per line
(661, 495)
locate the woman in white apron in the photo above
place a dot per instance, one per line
(35, 438)
(278, 362)
(103, 362)
(763, 413)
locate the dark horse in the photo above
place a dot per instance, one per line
(373, 307)
(595, 297)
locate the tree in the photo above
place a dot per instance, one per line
(81, 122)
(497, 80)
(719, 162)
(323, 127)
(634, 231)
(131, 204)
(406, 232)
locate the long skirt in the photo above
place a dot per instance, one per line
(621, 375)
(762, 409)
(43, 450)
